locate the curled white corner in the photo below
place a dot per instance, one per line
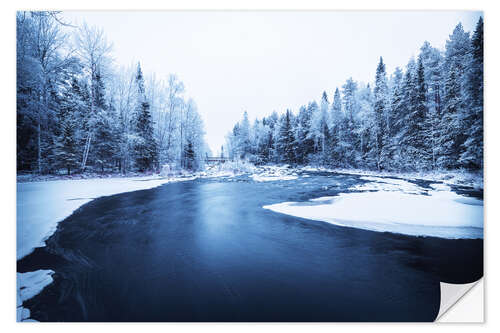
(451, 294)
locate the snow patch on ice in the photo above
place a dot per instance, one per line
(455, 177)
(388, 184)
(30, 284)
(396, 206)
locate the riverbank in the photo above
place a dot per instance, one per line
(457, 177)
(276, 172)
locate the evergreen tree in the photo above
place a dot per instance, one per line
(335, 126)
(286, 140)
(379, 131)
(457, 50)
(472, 155)
(244, 136)
(391, 145)
(433, 63)
(104, 141)
(189, 156)
(65, 152)
(348, 140)
(449, 142)
(307, 136)
(319, 126)
(145, 149)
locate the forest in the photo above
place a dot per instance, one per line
(79, 112)
(426, 117)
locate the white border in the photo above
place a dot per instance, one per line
(7, 167)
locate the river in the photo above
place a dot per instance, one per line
(206, 250)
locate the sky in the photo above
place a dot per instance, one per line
(260, 61)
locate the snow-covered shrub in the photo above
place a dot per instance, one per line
(168, 170)
(237, 166)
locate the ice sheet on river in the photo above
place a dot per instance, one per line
(395, 206)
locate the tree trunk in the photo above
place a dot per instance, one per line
(39, 159)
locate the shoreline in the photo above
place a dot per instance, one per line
(455, 177)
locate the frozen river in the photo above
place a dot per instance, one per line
(208, 250)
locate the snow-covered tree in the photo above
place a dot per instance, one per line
(348, 140)
(472, 154)
(286, 141)
(450, 129)
(145, 147)
(379, 129)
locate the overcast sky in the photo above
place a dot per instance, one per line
(234, 61)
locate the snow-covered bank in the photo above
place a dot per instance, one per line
(274, 173)
(456, 177)
(395, 206)
(30, 284)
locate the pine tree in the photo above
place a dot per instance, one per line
(472, 155)
(335, 127)
(319, 127)
(433, 63)
(104, 142)
(304, 137)
(189, 156)
(286, 140)
(244, 137)
(145, 149)
(379, 137)
(457, 50)
(449, 142)
(419, 121)
(65, 152)
(349, 127)
(391, 146)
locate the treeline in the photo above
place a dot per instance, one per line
(77, 112)
(428, 117)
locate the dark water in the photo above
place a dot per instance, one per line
(205, 250)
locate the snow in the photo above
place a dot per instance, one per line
(274, 173)
(456, 177)
(388, 184)
(440, 213)
(30, 284)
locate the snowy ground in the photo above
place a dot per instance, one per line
(274, 173)
(398, 206)
(457, 177)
